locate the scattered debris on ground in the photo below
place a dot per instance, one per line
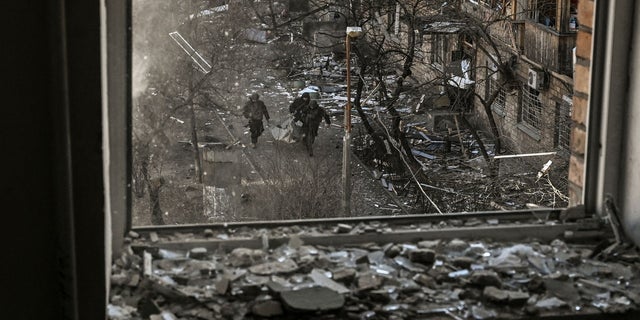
(455, 278)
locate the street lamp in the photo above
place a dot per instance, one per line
(352, 32)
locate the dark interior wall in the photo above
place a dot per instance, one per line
(28, 179)
(82, 23)
(53, 258)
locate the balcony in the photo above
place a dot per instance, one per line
(549, 48)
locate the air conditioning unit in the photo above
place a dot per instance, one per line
(535, 79)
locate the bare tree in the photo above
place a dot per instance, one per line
(169, 86)
(166, 87)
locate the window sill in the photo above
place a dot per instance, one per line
(530, 131)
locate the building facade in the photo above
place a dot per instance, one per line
(534, 40)
(523, 56)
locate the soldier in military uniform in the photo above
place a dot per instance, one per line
(255, 110)
(298, 106)
(313, 116)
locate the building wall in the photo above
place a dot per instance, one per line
(580, 100)
(425, 68)
(523, 40)
(561, 89)
(517, 136)
(563, 113)
(548, 47)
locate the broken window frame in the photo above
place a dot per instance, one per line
(606, 175)
(119, 94)
(606, 143)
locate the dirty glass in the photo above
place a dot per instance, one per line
(423, 138)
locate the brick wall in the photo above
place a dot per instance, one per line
(545, 49)
(580, 100)
(514, 137)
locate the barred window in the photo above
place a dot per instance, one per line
(564, 110)
(435, 47)
(492, 86)
(438, 49)
(499, 102)
(531, 108)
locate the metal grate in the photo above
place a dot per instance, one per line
(436, 49)
(531, 109)
(501, 98)
(564, 124)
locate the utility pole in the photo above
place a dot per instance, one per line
(346, 146)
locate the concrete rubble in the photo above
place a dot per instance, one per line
(429, 279)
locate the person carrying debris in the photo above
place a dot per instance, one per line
(254, 110)
(313, 116)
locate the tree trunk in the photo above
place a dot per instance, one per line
(154, 201)
(406, 72)
(380, 149)
(483, 149)
(141, 178)
(141, 168)
(489, 113)
(194, 141)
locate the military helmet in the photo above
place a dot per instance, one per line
(255, 96)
